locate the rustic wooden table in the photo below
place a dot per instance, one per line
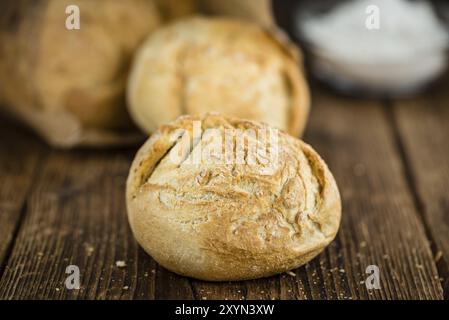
(390, 159)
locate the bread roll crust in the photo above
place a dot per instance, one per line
(237, 68)
(223, 222)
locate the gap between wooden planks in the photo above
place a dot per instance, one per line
(75, 214)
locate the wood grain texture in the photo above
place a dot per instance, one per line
(20, 153)
(381, 225)
(423, 127)
(76, 215)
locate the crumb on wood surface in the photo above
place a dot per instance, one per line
(120, 263)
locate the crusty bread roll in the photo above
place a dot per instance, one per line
(199, 65)
(226, 220)
(69, 85)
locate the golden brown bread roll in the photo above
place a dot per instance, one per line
(199, 65)
(215, 218)
(69, 85)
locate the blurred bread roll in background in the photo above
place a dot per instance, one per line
(69, 85)
(198, 65)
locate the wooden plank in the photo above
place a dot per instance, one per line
(380, 224)
(76, 216)
(172, 286)
(219, 290)
(423, 128)
(20, 153)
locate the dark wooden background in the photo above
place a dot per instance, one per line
(391, 162)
